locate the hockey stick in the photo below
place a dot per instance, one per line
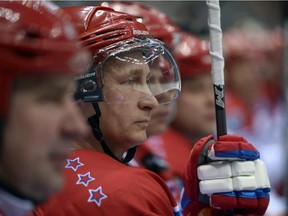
(215, 32)
(214, 23)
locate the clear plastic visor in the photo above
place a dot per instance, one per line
(138, 71)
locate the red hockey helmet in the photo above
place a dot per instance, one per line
(35, 40)
(158, 24)
(110, 34)
(244, 44)
(102, 26)
(192, 55)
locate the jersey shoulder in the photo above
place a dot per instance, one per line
(98, 184)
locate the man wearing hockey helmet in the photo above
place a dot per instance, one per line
(40, 54)
(117, 97)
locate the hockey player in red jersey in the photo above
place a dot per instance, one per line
(152, 154)
(193, 58)
(40, 54)
(117, 97)
(161, 154)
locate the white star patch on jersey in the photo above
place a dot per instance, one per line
(74, 164)
(85, 179)
(97, 196)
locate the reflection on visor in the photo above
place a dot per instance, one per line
(138, 70)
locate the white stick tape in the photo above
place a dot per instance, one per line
(214, 23)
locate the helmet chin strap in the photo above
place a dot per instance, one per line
(94, 124)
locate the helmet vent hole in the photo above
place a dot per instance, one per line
(31, 35)
(113, 36)
(129, 19)
(26, 54)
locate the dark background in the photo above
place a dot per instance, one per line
(192, 15)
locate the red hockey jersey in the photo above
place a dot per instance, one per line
(173, 148)
(96, 184)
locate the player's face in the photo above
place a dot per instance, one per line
(195, 107)
(43, 122)
(161, 118)
(163, 114)
(124, 123)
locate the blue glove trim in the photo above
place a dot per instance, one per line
(261, 193)
(243, 154)
(177, 213)
(267, 190)
(184, 200)
(247, 194)
(231, 194)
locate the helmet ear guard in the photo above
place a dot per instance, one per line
(88, 88)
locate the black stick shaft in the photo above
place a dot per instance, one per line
(221, 125)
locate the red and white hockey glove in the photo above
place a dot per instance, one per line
(225, 177)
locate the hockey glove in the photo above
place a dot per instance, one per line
(225, 177)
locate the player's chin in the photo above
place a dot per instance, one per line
(139, 137)
(51, 183)
(56, 170)
(56, 182)
(58, 160)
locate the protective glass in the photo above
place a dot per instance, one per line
(131, 70)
